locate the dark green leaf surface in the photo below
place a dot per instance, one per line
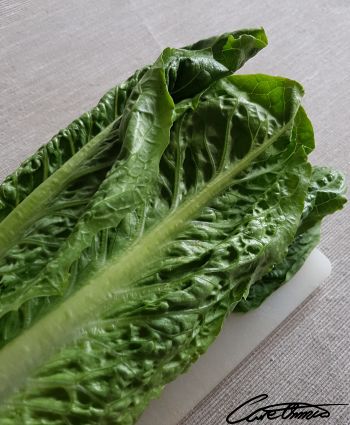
(171, 199)
(325, 196)
(63, 202)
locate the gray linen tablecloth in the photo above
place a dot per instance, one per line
(58, 57)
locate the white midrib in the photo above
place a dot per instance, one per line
(33, 347)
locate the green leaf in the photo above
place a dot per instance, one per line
(61, 179)
(325, 196)
(148, 234)
(231, 252)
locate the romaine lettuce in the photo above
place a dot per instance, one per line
(128, 238)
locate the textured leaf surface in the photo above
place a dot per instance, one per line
(172, 198)
(40, 228)
(325, 196)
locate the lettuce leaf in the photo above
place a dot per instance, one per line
(325, 196)
(127, 240)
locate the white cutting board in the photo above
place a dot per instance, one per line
(239, 336)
